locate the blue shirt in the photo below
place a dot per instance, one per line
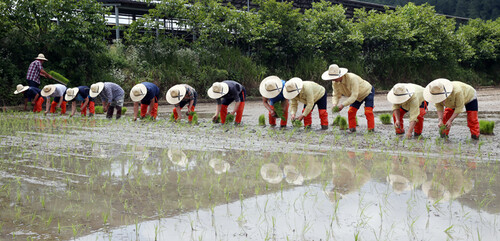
(152, 91)
(279, 97)
(83, 93)
(31, 92)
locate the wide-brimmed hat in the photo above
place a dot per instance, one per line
(41, 57)
(178, 157)
(217, 90)
(138, 92)
(96, 89)
(219, 166)
(400, 93)
(271, 173)
(292, 88)
(292, 175)
(176, 94)
(438, 90)
(48, 90)
(20, 88)
(71, 93)
(436, 192)
(333, 72)
(271, 87)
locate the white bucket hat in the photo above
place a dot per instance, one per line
(219, 166)
(138, 92)
(271, 173)
(20, 88)
(333, 72)
(438, 90)
(71, 93)
(292, 88)
(96, 89)
(48, 90)
(400, 93)
(178, 157)
(217, 90)
(271, 87)
(176, 94)
(41, 57)
(292, 175)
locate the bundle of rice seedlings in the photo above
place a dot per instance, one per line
(124, 109)
(262, 120)
(296, 123)
(278, 108)
(336, 121)
(486, 127)
(442, 130)
(99, 110)
(172, 118)
(343, 123)
(385, 119)
(59, 77)
(195, 117)
(229, 118)
(335, 109)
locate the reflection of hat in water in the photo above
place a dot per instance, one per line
(271, 173)
(140, 153)
(405, 176)
(219, 166)
(347, 178)
(310, 168)
(178, 157)
(292, 175)
(435, 191)
(447, 184)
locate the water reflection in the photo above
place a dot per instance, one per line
(178, 157)
(348, 176)
(219, 166)
(448, 183)
(271, 173)
(406, 174)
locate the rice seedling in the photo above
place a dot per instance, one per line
(335, 109)
(442, 131)
(229, 118)
(486, 127)
(296, 123)
(385, 119)
(59, 77)
(262, 120)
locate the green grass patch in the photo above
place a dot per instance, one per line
(385, 119)
(262, 120)
(486, 127)
(59, 77)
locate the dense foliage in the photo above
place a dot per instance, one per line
(484, 9)
(213, 42)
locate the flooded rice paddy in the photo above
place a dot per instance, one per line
(94, 179)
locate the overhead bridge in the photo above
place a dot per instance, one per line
(124, 12)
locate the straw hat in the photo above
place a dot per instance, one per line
(292, 175)
(292, 88)
(71, 93)
(96, 89)
(219, 166)
(271, 87)
(399, 183)
(218, 90)
(138, 92)
(178, 157)
(435, 191)
(333, 72)
(20, 88)
(48, 90)
(176, 94)
(41, 57)
(271, 173)
(400, 93)
(438, 90)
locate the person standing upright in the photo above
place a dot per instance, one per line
(357, 91)
(35, 70)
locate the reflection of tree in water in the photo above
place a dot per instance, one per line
(349, 175)
(447, 183)
(406, 174)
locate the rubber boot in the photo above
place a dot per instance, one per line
(239, 113)
(272, 119)
(154, 111)
(223, 114)
(351, 116)
(323, 116)
(473, 124)
(420, 123)
(83, 111)
(190, 117)
(109, 114)
(307, 120)
(38, 104)
(283, 122)
(118, 112)
(370, 118)
(448, 112)
(63, 107)
(53, 107)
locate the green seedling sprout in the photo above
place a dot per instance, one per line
(229, 118)
(486, 127)
(335, 109)
(278, 108)
(442, 130)
(385, 119)
(296, 123)
(262, 120)
(59, 77)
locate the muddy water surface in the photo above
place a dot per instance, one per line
(93, 179)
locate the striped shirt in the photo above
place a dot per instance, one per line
(34, 71)
(190, 94)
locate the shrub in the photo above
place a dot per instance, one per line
(486, 127)
(229, 118)
(385, 119)
(262, 120)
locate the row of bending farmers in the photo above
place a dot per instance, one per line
(449, 97)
